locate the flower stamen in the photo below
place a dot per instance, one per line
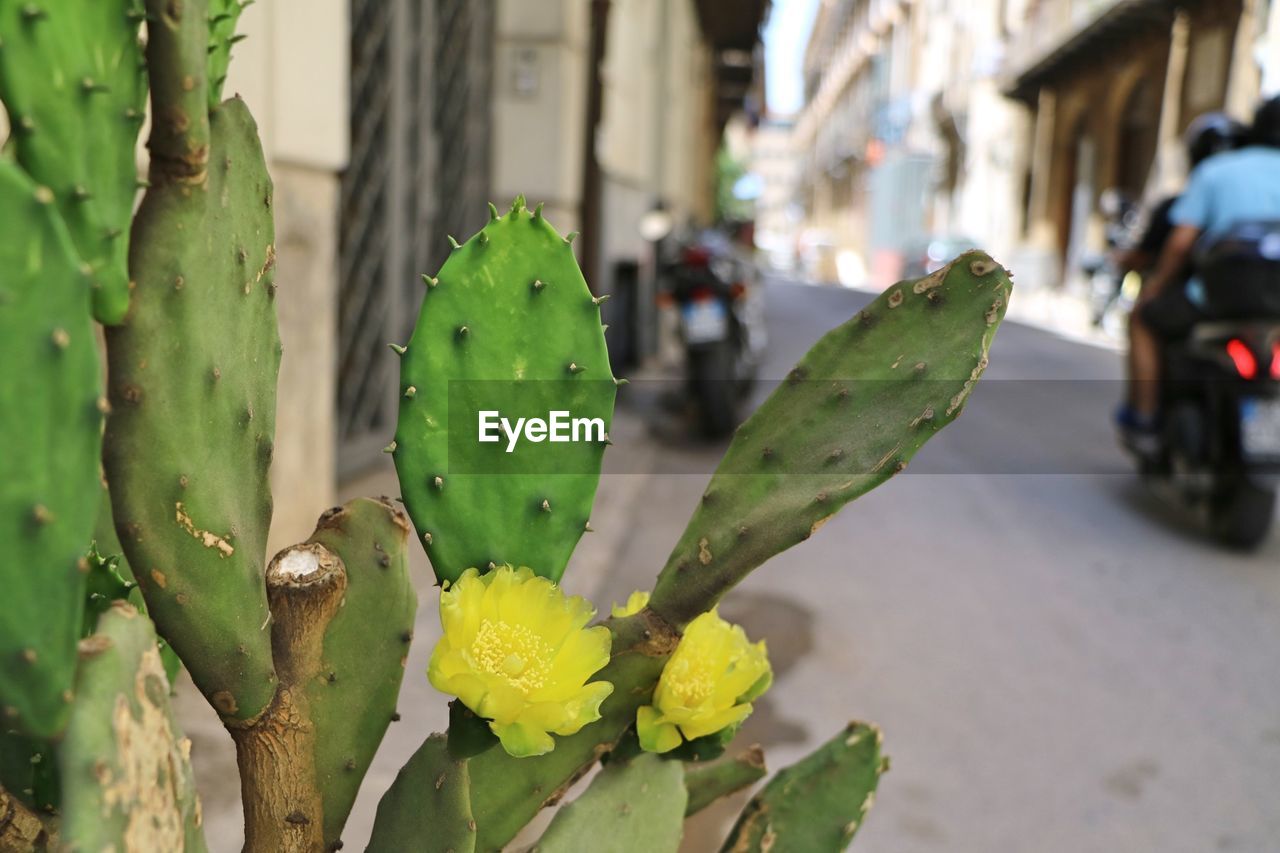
(512, 652)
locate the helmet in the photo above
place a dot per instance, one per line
(1266, 123)
(1212, 133)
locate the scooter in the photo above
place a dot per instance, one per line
(721, 327)
(1220, 441)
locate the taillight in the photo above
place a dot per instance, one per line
(1275, 360)
(664, 299)
(1242, 357)
(737, 290)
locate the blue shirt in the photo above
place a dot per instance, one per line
(1225, 190)
(1230, 188)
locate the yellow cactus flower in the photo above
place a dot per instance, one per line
(707, 685)
(635, 603)
(517, 652)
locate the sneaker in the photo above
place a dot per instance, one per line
(1140, 433)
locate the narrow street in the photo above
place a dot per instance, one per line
(1059, 663)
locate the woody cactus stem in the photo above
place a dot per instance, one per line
(276, 753)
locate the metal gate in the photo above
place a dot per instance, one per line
(419, 170)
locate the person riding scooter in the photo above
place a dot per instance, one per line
(1226, 188)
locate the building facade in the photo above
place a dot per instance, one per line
(390, 124)
(1001, 122)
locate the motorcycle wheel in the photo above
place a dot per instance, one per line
(1241, 515)
(711, 373)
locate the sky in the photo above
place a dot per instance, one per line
(785, 34)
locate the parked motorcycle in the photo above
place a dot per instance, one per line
(1220, 443)
(1111, 291)
(721, 327)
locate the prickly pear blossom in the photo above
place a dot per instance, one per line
(635, 603)
(517, 652)
(707, 685)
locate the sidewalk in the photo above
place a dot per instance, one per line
(627, 469)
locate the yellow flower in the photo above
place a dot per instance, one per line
(706, 686)
(635, 603)
(516, 650)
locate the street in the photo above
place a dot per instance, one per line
(1059, 662)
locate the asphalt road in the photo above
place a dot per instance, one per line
(1059, 662)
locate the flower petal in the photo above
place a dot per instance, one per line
(521, 740)
(655, 734)
(709, 724)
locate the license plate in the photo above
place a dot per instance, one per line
(1260, 428)
(705, 321)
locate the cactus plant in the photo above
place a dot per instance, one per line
(302, 657)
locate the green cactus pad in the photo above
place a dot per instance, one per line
(70, 73)
(818, 803)
(850, 415)
(223, 16)
(508, 324)
(708, 783)
(50, 432)
(631, 807)
(364, 649)
(125, 765)
(427, 808)
(189, 442)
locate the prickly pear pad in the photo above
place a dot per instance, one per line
(50, 446)
(508, 310)
(125, 763)
(850, 415)
(365, 646)
(193, 391)
(72, 79)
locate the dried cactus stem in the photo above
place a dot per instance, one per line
(20, 827)
(276, 751)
